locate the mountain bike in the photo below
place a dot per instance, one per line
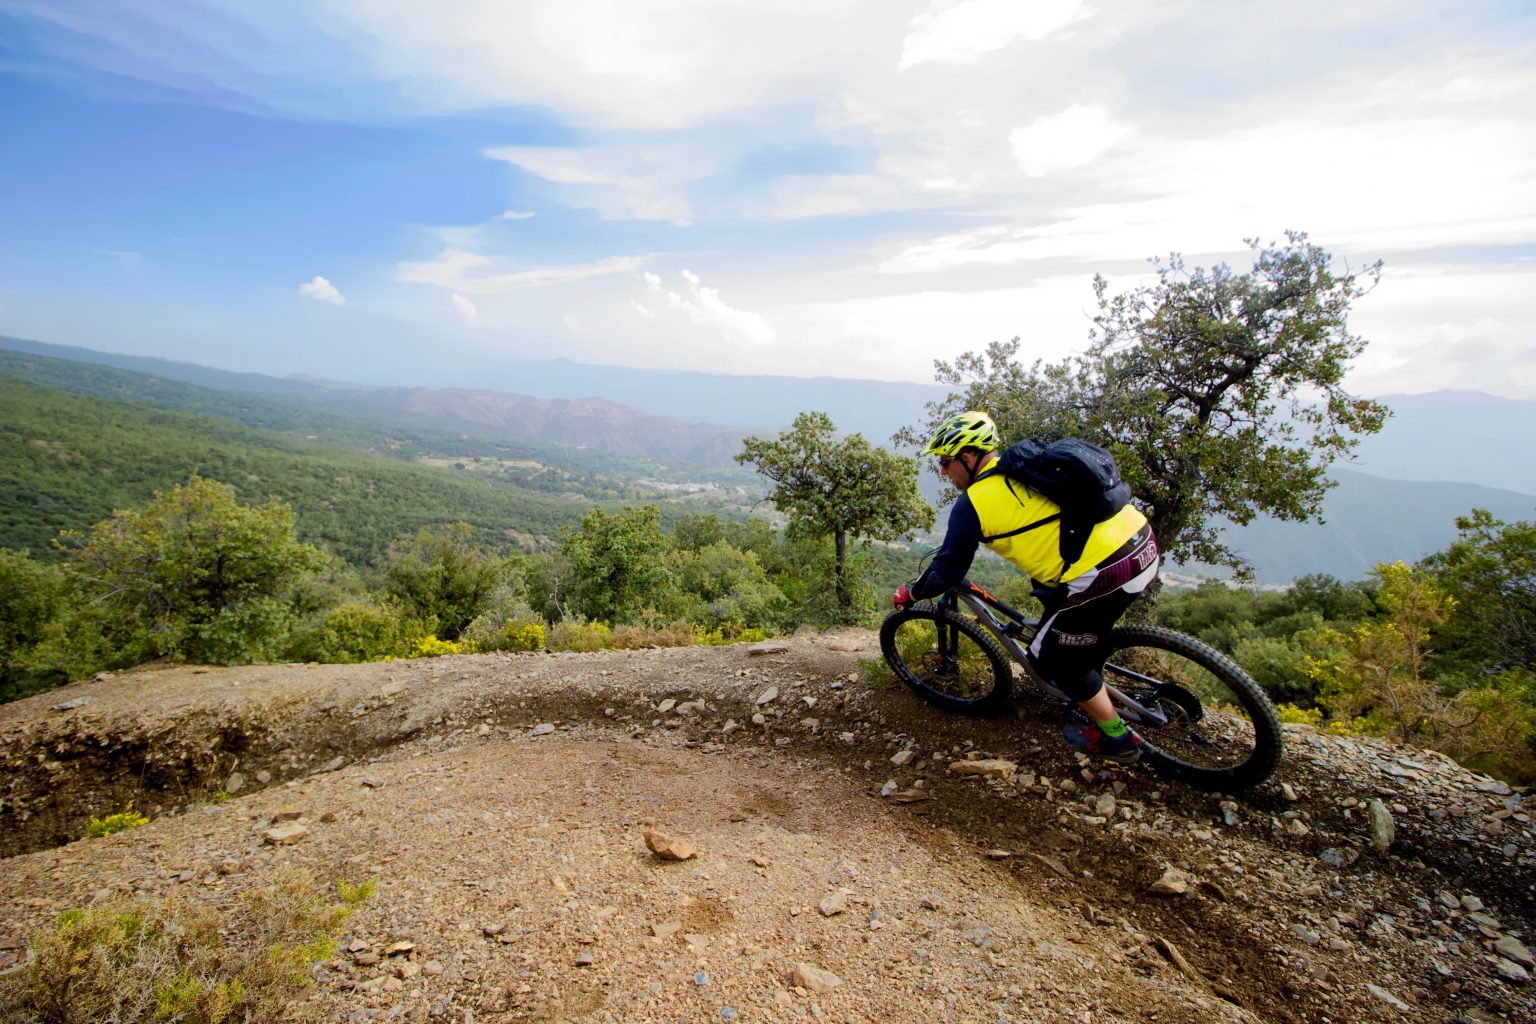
(1201, 717)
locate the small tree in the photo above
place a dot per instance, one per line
(444, 574)
(842, 489)
(196, 575)
(614, 565)
(1381, 678)
(33, 596)
(720, 583)
(1379, 671)
(1219, 393)
(1491, 571)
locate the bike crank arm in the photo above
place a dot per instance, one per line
(1138, 711)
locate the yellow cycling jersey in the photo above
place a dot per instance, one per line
(1003, 506)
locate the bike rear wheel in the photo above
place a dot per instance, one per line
(1221, 732)
(949, 659)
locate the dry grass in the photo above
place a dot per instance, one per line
(172, 960)
(630, 638)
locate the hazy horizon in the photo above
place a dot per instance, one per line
(300, 374)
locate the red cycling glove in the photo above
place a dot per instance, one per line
(903, 597)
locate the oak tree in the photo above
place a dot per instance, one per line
(194, 576)
(841, 488)
(1220, 393)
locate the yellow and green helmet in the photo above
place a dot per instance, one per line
(969, 429)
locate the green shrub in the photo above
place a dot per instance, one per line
(194, 576)
(507, 628)
(614, 564)
(576, 635)
(1281, 667)
(358, 631)
(173, 960)
(98, 828)
(32, 596)
(445, 575)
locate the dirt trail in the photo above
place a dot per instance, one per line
(509, 794)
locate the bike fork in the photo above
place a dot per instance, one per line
(949, 644)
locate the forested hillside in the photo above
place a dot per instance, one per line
(67, 461)
(365, 425)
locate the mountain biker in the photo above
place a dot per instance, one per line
(1085, 598)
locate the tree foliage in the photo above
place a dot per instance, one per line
(1490, 570)
(356, 631)
(719, 585)
(613, 565)
(844, 489)
(1380, 669)
(195, 575)
(1382, 679)
(33, 598)
(1220, 393)
(445, 575)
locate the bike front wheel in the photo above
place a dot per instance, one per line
(949, 659)
(1209, 724)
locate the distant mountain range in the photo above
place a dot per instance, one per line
(1454, 435)
(579, 422)
(756, 404)
(595, 423)
(1448, 451)
(1368, 520)
(876, 409)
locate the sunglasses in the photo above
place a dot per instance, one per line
(945, 460)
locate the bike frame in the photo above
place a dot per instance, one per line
(1009, 624)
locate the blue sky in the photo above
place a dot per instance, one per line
(397, 192)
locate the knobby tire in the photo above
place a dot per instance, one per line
(976, 677)
(1222, 743)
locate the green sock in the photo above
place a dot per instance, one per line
(1114, 730)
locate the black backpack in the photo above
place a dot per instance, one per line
(1080, 477)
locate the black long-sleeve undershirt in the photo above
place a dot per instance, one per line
(953, 559)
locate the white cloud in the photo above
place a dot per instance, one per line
(703, 306)
(1076, 136)
(322, 290)
(961, 32)
(1438, 326)
(515, 215)
(663, 64)
(898, 336)
(463, 271)
(621, 182)
(1382, 187)
(466, 308)
(801, 197)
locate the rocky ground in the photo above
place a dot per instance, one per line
(857, 855)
